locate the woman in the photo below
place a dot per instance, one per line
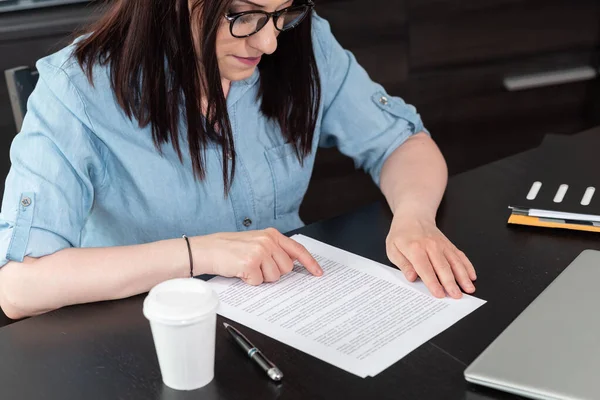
(178, 117)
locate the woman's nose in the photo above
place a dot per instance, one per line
(265, 40)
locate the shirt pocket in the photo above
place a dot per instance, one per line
(290, 178)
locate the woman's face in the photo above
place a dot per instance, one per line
(238, 57)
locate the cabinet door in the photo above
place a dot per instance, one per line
(460, 32)
(476, 119)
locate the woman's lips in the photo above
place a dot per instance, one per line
(252, 61)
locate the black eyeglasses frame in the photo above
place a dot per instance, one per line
(276, 14)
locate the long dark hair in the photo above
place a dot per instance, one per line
(156, 73)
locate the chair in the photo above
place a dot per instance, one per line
(20, 82)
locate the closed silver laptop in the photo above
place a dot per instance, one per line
(552, 350)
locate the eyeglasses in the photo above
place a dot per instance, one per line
(248, 23)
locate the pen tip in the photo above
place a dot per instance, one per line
(226, 325)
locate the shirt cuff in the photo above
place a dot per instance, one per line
(38, 243)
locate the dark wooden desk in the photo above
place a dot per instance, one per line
(105, 350)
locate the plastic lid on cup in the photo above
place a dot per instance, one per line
(180, 301)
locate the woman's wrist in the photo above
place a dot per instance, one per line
(415, 210)
(199, 256)
(180, 263)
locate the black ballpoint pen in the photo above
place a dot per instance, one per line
(272, 371)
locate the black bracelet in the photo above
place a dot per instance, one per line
(190, 253)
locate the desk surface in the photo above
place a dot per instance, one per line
(105, 350)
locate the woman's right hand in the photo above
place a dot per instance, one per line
(253, 256)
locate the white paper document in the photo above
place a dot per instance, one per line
(360, 316)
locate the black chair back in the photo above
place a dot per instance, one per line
(20, 81)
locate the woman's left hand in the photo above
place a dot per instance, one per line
(416, 246)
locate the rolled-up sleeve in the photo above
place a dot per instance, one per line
(50, 187)
(359, 116)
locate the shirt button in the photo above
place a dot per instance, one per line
(25, 201)
(247, 222)
(384, 100)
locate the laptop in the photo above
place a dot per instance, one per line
(551, 351)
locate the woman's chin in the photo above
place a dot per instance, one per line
(237, 74)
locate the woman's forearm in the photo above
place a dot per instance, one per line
(82, 275)
(85, 275)
(414, 176)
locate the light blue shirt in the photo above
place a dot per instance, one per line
(84, 175)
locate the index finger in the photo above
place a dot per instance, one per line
(298, 252)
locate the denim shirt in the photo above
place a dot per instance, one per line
(84, 175)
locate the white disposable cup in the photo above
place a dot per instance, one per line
(183, 316)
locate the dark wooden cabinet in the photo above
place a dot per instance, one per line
(491, 77)
(462, 32)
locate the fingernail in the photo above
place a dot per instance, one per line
(319, 271)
